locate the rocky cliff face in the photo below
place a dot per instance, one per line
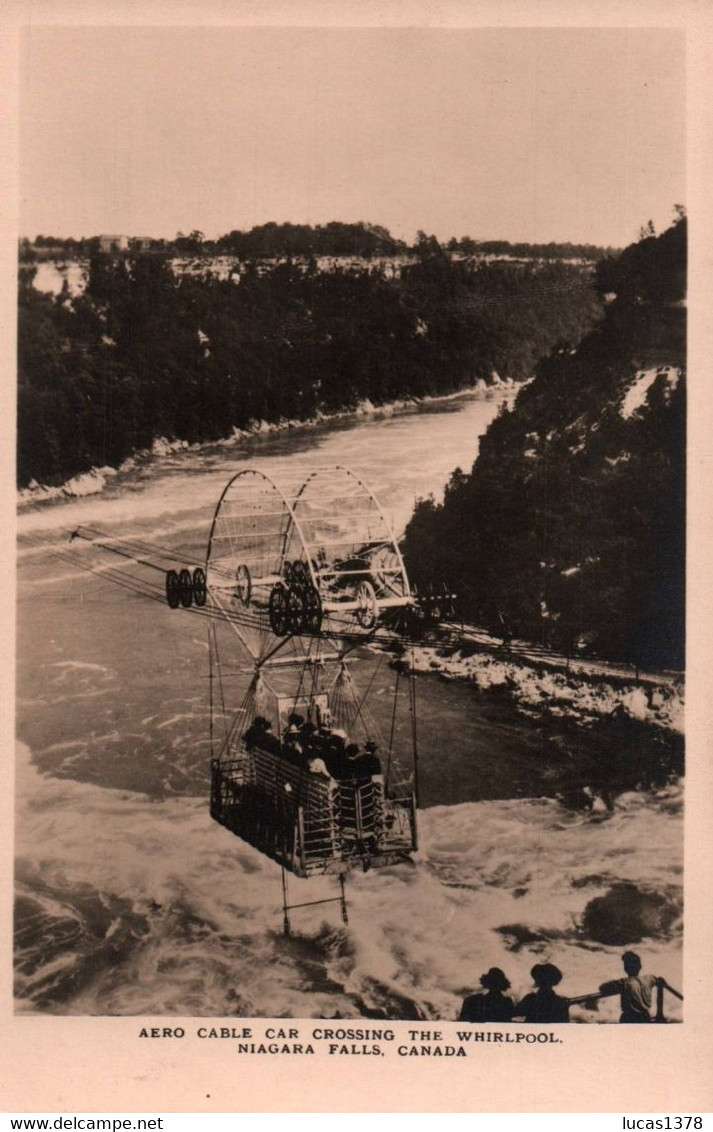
(570, 527)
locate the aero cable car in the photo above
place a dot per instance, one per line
(299, 577)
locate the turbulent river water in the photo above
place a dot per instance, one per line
(130, 900)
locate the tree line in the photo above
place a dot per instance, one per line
(145, 353)
(269, 241)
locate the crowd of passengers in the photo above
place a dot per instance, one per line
(319, 749)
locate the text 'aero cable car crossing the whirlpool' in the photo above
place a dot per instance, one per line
(298, 575)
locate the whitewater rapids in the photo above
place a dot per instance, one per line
(131, 901)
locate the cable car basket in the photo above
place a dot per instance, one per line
(308, 823)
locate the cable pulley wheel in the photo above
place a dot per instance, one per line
(173, 596)
(185, 588)
(367, 608)
(243, 584)
(295, 610)
(277, 610)
(312, 611)
(200, 589)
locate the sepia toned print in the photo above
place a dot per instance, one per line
(351, 645)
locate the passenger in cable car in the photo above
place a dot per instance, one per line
(294, 723)
(372, 748)
(308, 732)
(292, 753)
(361, 773)
(365, 763)
(354, 761)
(255, 731)
(335, 756)
(259, 734)
(269, 741)
(291, 746)
(298, 747)
(314, 743)
(317, 765)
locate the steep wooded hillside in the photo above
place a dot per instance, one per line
(570, 528)
(144, 353)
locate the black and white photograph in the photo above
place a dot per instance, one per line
(351, 530)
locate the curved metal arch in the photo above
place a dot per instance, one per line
(289, 509)
(373, 500)
(387, 524)
(322, 487)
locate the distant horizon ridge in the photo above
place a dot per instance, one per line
(376, 233)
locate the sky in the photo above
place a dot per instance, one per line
(519, 134)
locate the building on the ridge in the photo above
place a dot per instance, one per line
(113, 243)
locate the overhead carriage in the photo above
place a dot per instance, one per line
(314, 555)
(302, 574)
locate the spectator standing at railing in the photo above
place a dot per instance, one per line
(543, 1005)
(635, 990)
(493, 1006)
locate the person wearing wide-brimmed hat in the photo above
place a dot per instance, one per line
(543, 1005)
(308, 731)
(493, 1006)
(335, 755)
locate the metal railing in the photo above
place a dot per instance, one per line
(661, 987)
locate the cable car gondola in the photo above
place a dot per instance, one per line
(300, 576)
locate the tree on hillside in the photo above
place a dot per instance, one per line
(571, 523)
(193, 358)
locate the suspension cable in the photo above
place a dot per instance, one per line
(393, 726)
(211, 634)
(220, 685)
(414, 736)
(360, 704)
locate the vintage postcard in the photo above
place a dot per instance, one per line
(356, 473)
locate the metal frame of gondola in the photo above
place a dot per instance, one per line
(329, 651)
(287, 907)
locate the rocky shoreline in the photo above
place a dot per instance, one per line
(95, 480)
(657, 702)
